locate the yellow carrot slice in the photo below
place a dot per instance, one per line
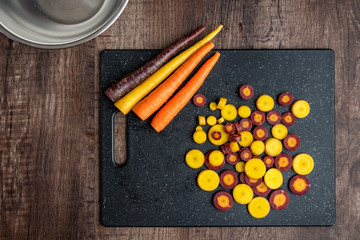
(221, 120)
(199, 136)
(202, 120)
(259, 207)
(211, 120)
(303, 164)
(243, 193)
(126, 103)
(208, 180)
(221, 103)
(195, 158)
(213, 106)
(229, 112)
(224, 136)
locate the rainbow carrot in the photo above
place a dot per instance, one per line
(123, 86)
(127, 102)
(178, 102)
(161, 94)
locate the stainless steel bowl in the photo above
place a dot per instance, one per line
(55, 24)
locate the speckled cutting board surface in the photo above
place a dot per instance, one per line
(155, 187)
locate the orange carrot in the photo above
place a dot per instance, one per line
(160, 95)
(174, 106)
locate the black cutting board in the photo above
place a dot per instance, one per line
(156, 188)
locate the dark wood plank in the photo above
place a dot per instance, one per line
(49, 112)
(47, 147)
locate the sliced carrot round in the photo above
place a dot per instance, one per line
(273, 117)
(279, 131)
(257, 117)
(299, 184)
(273, 178)
(211, 120)
(240, 167)
(223, 201)
(265, 103)
(194, 158)
(199, 136)
(283, 162)
(243, 193)
(244, 111)
(257, 147)
(246, 138)
(246, 92)
(279, 199)
(245, 154)
(273, 147)
(208, 180)
(224, 136)
(300, 108)
(229, 112)
(268, 161)
(228, 179)
(234, 147)
(216, 158)
(229, 128)
(213, 106)
(261, 189)
(260, 133)
(288, 119)
(259, 207)
(209, 165)
(198, 128)
(255, 168)
(245, 124)
(292, 142)
(199, 100)
(232, 158)
(285, 99)
(303, 164)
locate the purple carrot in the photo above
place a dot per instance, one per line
(130, 81)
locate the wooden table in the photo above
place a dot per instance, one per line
(49, 114)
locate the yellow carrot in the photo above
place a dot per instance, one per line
(126, 103)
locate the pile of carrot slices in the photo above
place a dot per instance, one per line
(144, 91)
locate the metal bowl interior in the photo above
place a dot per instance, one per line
(57, 24)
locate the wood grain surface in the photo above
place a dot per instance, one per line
(49, 114)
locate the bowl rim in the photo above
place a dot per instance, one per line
(76, 42)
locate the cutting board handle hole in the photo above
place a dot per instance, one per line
(119, 139)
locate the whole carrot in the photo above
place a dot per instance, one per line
(124, 85)
(127, 102)
(161, 94)
(178, 102)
